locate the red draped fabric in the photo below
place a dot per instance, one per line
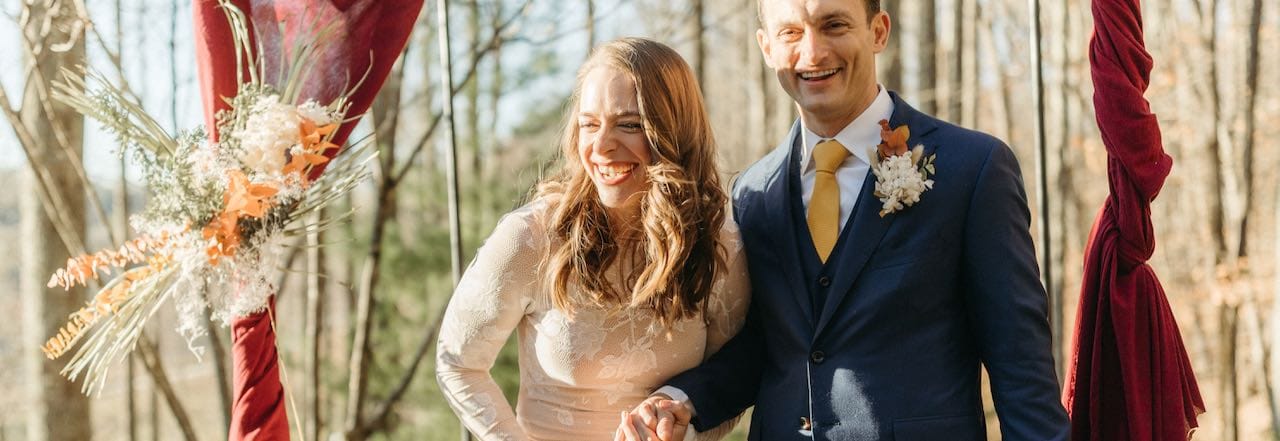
(1130, 378)
(368, 36)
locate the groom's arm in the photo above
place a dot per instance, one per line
(725, 385)
(1008, 306)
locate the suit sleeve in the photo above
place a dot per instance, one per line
(1007, 304)
(725, 385)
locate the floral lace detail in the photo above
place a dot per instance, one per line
(576, 372)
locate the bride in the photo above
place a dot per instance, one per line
(622, 272)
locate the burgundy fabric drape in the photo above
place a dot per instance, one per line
(369, 36)
(1130, 378)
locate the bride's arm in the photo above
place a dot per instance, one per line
(490, 301)
(727, 311)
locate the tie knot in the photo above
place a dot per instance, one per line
(829, 154)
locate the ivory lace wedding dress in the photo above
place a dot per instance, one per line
(576, 373)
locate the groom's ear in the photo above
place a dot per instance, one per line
(880, 26)
(762, 40)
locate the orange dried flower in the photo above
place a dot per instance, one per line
(893, 140)
(105, 302)
(83, 268)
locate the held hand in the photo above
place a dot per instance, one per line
(673, 419)
(632, 428)
(658, 417)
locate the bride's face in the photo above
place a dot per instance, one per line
(611, 142)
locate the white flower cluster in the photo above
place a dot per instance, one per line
(899, 182)
(271, 129)
(321, 115)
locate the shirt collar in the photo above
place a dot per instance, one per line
(857, 137)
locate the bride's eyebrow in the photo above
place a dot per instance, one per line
(614, 114)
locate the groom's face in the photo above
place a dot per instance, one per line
(823, 52)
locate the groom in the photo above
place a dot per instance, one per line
(871, 326)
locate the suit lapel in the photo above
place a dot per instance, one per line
(868, 226)
(777, 209)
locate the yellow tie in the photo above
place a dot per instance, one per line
(824, 206)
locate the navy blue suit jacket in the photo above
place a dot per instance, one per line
(904, 317)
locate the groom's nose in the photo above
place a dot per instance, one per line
(812, 49)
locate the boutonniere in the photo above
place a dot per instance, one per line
(902, 174)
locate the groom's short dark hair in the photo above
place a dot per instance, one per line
(873, 8)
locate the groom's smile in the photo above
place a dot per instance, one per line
(816, 76)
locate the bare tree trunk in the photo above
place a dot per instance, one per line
(698, 20)
(950, 56)
(969, 64)
(121, 219)
(1249, 98)
(155, 407)
(1273, 374)
(219, 361)
(999, 95)
(919, 40)
(1221, 207)
(472, 90)
(591, 27)
(151, 359)
(1228, 329)
(173, 85)
(57, 410)
(314, 315)
(1217, 206)
(891, 60)
(487, 176)
(357, 386)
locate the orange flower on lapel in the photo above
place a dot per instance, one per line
(893, 140)
(902, 173)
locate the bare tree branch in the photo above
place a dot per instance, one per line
(151, 360)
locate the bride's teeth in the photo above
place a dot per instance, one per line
(610, 172)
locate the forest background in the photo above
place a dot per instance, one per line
(1214, 88)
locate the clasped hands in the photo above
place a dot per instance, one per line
(656, 418)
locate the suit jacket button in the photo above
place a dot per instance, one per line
(817, 357)
(805, 424)
(824, 281)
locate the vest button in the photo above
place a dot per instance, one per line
(817, 357)
(824, 281)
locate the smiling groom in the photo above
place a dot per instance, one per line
(883, 279)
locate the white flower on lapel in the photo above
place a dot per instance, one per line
(902, 174)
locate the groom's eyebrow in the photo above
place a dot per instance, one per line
(835, 15)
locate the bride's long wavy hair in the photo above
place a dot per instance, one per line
(682, 209)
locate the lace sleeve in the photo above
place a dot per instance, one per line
(730, 300)
(492, 298)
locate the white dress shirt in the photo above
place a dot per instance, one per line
(861, 134)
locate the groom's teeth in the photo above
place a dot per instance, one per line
(821, 73)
